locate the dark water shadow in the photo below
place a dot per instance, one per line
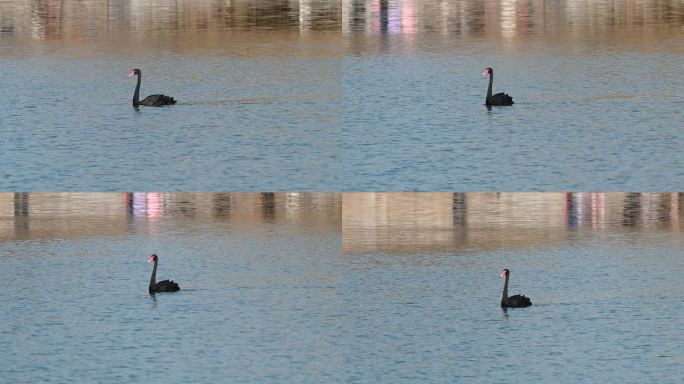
(490, 107)
(154, 301)
(505, 310)
(180, 291)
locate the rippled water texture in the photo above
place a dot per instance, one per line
(597, 87)
(258, 275)
(423, 288)
(257, 84)
(410, 290)
(351, 95)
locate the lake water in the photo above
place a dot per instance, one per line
(423, 288)
(341, 95)
(257, 85)
(258, 275)
(596, 86)
(353, 288)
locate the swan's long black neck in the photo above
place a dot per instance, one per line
(505, 291)
(489, 94)
(136, 101)
(153, 279)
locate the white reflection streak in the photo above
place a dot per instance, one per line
(579, 208)
(373, 14)
(304, 15)
(650, 209)
(444, 13)
(597, 210)
(139, 199)
(346, 9)
(674, 212)
(38, 25)
(293, 204)
(508, 22)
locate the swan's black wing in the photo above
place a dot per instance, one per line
(500, 99)
(167, 286)
(157, 100)
(519, 301)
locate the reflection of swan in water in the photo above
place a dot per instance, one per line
(513, 301)
(164, 285)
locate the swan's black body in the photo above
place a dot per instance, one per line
(164, 285)
(513, 301)
(149, 101)
(499, 98)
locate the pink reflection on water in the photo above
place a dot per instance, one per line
(598, 210)
(155, 205)
(586, 208)
(408, 20)
(147, 204)
(395, 17)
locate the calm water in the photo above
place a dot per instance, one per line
(258, 275)
(351, 95)
(357, 288)
(596, 86)
(257, 84)
(422, 287)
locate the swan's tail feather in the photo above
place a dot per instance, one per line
(168, 100)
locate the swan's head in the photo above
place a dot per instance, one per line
(134, 72)
(487, 71)
(152, 259)
(504, 272)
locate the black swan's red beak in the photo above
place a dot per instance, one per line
(131, 74)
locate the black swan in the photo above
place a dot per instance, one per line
(162, 286)
(151, 100)
(499, 98)
(513, 301)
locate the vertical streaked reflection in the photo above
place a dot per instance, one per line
(146, 204)
(414, 222)
(508, 16)
(506, 19)
(502, 19)
(67, 215)
(401, 221)
(66, 19)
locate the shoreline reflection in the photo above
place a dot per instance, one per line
(59, 19)
(415, 222)
(29, 216)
